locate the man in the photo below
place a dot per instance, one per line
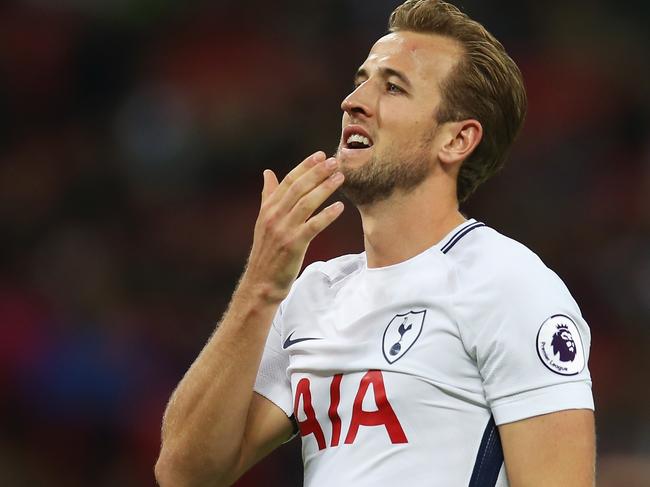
(444, 355)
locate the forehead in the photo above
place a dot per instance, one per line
(418, 55)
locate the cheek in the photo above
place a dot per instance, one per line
(413, 133)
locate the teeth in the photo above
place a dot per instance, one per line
(359, 138)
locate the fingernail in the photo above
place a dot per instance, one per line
(337, 177)
(319, 156)
(330, 163)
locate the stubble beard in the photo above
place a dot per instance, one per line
(385, 173)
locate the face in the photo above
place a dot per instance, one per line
(389, 139)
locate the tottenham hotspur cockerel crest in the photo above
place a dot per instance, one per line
(401, 334)
(559, 345)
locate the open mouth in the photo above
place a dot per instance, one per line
(357, 141)
(356, 138)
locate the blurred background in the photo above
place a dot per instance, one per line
(133, 134)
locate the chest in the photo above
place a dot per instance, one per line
(376, 360)
(402, 324)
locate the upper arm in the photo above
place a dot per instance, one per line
(527, 337)
(531, 346)
(267, 427)
(268, 422)
(556, 449)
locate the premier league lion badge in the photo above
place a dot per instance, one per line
(559, 346)
(401, 333)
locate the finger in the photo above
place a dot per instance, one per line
(304, 184)
(315, 197)
(321, 221)
(307, 164)
(270, 184)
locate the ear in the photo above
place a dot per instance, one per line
(461, 139)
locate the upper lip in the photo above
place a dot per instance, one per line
(355, 129)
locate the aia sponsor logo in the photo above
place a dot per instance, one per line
(372, 383)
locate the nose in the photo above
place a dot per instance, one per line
(358, 102)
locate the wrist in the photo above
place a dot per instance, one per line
(260, 292)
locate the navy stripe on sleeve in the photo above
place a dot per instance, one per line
(488, 459)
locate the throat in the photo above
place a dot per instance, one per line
(397, 234)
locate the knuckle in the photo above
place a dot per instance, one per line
(287, 244)
(313, 226)
(269, 223)
(269, 220)
(324, 170)
(294, 190)
(303, 205)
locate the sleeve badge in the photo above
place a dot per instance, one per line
(559, 346)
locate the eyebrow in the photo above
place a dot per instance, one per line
(385, 73)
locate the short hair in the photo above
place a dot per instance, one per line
(485, 85)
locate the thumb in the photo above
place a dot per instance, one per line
(270, 184)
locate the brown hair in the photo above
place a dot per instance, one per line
(485, 85)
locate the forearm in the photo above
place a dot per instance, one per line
(205, 420)
(206, 440)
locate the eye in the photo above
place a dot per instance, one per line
(393, 88)
(358, 81)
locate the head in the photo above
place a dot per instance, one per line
(438, 94)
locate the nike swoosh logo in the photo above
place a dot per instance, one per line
(288, 342)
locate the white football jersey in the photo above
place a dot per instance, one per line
(401, 373)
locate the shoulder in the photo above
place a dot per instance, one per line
(319, 278)
(484, 254)
(333, 270)
(491, 265)
(318, 282)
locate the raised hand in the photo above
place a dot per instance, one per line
(285, 225)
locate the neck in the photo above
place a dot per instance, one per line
(408, 223)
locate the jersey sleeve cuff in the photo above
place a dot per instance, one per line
(550, 399)
(274, 392)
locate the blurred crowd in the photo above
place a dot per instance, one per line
(133, 135)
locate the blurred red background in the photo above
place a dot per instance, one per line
(132, 140)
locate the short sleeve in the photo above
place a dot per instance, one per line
(272, 380)
(529, 340)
